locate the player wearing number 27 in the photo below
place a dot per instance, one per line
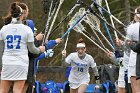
(14, 39)
(80, 62)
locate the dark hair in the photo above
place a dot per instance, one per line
(138, 10)
(14, 11)
(23, 6)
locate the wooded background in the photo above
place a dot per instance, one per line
(122, 9)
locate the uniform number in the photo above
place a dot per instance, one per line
(11, 39)
(80, 69)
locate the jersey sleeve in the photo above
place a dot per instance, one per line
(30, 37)
(69, 59)
(129, 33)
(1, 31)
(0, 35)
(92, 62)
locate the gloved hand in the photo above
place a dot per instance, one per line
(50, 53)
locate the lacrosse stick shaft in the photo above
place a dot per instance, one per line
(47, 23)
(63, 57)
(66, 41)
(106, 27)
(102, 36)
(95, 33)
(61, 2)
(94, 39)
(111, 18)
(99, 38)
(107, 30)
(109, 13)
(100, 18)
(64, 18)
(71, 27)
(78, 21)
(93, 42)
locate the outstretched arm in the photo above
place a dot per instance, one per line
(52, 43)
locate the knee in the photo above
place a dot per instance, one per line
(18, 90)
(3, 91)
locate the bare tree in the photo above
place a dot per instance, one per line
(128, 11)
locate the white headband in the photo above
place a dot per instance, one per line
(137, 14)
(80, 45)
(21, 11)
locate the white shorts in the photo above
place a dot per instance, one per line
(14, 72)
(131, 72)
(77, 85)
(121, 81)
(121, 84)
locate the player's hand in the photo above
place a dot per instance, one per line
(39, 36)
(119, 42)
(109, 54)
(42, 48)
(58, 40)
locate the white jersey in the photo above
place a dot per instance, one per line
(15, 37)
(80, 67)
(125, 61)
(132, 34)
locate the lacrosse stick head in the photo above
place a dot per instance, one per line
(79, 27)
(92, 19)
(99, 2)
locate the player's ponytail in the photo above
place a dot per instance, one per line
(15, 11)
(137, 11)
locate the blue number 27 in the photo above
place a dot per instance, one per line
(11, 39)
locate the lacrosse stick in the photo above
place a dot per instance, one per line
(48, 22)
(60, 3)
(94, 24)
(111, 19)
(77, 15)
(70, 12)
(100, 18)
(79, 27)
(97, 5)
(80, 30)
